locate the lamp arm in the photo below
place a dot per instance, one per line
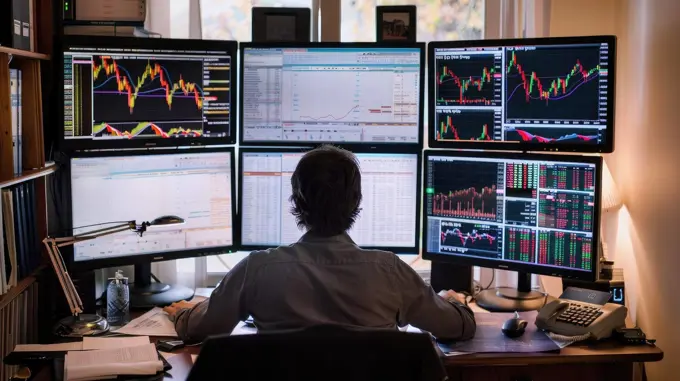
(69, 289)
(67, 241)
(53, 244)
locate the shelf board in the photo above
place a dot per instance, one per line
(29, 175)
(21, 286)
(24, 53)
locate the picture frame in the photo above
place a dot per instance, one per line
(274, 24)
(395, 23)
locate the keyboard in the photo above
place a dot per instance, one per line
(578, 314)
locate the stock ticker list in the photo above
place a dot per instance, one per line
(515, 210)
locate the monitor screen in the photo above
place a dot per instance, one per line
(534, 213)
(197, 187)
(389, 208)
(136, 92)
(349, 93)
(549, 94)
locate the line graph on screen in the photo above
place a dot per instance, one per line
(146, 89)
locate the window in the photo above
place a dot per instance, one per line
(230, 19)
(437, 19)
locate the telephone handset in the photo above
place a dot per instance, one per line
(582, 314)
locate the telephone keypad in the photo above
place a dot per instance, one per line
(579, 314)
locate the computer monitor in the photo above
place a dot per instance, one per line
(389, 209)
(124, 92)
(196, 185)
(523, 94)
(349, 93)
(528, 213)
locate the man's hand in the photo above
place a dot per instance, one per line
(450, 295)
(174, 308)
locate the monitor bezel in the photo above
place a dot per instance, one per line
(330, 45)
(607, 147)
(156, 257)
(395, 249)
(68, 145)
(508, 265)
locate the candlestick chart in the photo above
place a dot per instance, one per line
(554, 84)
(136, 90)
(470, 238)
(468, 125)
(147, 129)
(468, 80)
(554, 135)
(466, 190)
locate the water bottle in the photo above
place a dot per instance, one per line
(118, 300)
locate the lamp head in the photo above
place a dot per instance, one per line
(160, 221)
(166, 221)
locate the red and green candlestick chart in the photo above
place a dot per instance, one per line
(447, 131)
(465, 84)
(110, 67)
(558, 87)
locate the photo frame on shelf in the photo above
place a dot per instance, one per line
(395, 23)
(274, 24)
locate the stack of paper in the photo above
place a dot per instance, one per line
(153, 323)
(109, 363)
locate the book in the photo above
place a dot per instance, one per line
(107, 363)
(8, 216)
(25, 13)
(106, 10)
(19, 232)
(16, 132)
(20, 125)
(3, 272)
(10, 24)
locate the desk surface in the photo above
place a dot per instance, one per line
(604, 352)
(600, 352)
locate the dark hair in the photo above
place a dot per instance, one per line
(326, 191)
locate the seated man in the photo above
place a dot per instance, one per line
(324, 278)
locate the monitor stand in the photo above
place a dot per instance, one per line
(508, 299)
(147, 294)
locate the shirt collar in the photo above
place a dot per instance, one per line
(311, 237)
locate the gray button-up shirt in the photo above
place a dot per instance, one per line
(324, 280)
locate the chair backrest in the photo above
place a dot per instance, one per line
(320, 353)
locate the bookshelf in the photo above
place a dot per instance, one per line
(21, 305)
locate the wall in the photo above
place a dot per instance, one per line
(646, 159)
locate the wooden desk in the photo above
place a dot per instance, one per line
(595, 362)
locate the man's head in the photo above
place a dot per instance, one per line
(326, 191)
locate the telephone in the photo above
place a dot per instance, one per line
(581, 314)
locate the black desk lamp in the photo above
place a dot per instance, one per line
(80, 324)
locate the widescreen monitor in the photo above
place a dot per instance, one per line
(529, 213)
(389, 208)
(523, 94)
(349, 93)
(134, 92)
(123, 186)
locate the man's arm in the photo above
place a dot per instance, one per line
(220, 313)
(423, 308)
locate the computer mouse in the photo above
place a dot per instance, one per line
(514, 327)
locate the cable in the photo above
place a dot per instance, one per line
(493, 279)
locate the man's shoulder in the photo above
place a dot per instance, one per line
(300, 251)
